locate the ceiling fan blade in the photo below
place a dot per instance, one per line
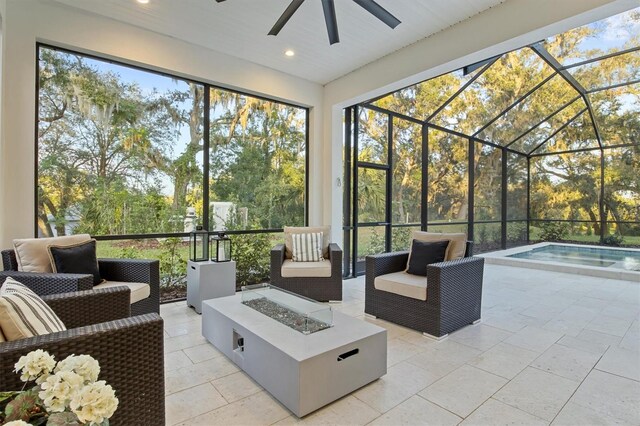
(379, 12)
(329, 10)
(286, 15)
(220, 1)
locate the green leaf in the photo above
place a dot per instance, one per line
(63, 419)
(24, 406)
(6, 397)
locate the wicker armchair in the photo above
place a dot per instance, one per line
(322, 289)
(454, 294)
(129, 349)
(123, 270)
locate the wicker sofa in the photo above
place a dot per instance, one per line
(454, 294)
(322, 289)
(129, 349)
(122, 270)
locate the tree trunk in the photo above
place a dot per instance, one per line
(185, 166)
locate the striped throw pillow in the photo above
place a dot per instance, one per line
(23, 314)
(307, 247)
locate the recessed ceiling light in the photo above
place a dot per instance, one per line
(289, 52)
(143, 1)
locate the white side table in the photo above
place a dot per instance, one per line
(209, 280)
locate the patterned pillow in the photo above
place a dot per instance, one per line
(307, 247)
(23, 314)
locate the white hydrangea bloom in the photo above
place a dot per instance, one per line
(84, 365)
(94, 403)
(59, 388)
(17, 423)
(36, 365)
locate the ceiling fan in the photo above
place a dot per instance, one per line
(329, 10)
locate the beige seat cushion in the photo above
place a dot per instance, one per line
(457, 242)
(24, 314)
(404, 284)
(32, 254)
(2, 339)
(291, 269)
(290, 230)
(139, 291)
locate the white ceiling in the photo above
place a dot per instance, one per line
(240, 27)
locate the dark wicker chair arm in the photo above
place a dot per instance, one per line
(335, 257)
(129, 270)
(386, 263)
(92, 306)
(9, 261)
(451, 281)
(135, 270)
(277, 259)
(50, 283)
(131, 356)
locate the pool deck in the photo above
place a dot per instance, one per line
(500, 258)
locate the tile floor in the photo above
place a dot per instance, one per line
(552, 348)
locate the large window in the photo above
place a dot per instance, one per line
(124, 153)
(540, 143)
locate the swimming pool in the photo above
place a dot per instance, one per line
(590, 256)
(616, 263)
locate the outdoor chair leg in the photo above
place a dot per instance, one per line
(436, 338)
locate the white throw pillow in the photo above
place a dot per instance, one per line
(307, 247)
(23, 314)
(290, 230)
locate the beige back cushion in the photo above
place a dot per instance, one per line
(290, 230)
(2, 339)
(32, 254)
(457, 242)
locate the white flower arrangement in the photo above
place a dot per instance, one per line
(66, 393)
(35, 365)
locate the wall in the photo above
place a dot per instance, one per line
(3, 9)
(28, 21)
(511, 25)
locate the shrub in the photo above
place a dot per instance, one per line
(481, 234)
(376, 243)
(252, 253)
(614, 240)
(401, 239)
(517, 231)
(553, 231)
(173, 266)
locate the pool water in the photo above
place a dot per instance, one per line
(591, 256)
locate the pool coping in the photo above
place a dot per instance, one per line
(500, 258)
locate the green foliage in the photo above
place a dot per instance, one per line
(553, 231)
(481, 233)
(401, 239)
(129, 252)
(67, 419)
(376, 242)
(517, 231)
(173, 264)
(614, 240)
(125, 159)
(26, 406)
(252, 253)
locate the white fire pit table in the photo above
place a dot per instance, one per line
(304, 369)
